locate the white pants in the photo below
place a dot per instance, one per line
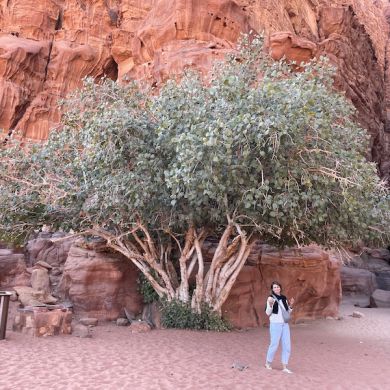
(279, 331)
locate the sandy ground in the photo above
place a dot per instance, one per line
(353, 353)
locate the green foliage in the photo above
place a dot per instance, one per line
(280, 154)
(146, 290)
(177, 314)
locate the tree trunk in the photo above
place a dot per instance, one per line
(213, 289)
(197, 297)
(183, 293)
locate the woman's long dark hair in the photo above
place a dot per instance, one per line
(282, 297)
(277, 284)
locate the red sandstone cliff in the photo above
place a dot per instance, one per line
(48, 46)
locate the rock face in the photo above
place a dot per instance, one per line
(82, 331)
(245, 305)
(310, 275)
(360, 268)
(355, 280)
(28, 296)
(47, 47)
(40, 279)
(49, 251)
(45, 248)
(104, 285)
(380, 298)
(99, 284)
(364, 274)
(13, 270)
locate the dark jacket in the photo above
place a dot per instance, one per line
(283, 300)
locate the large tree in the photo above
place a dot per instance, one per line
(256, 150)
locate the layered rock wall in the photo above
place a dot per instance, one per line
(48, 46)
(309, 275)
(104, 285)
(100, 284)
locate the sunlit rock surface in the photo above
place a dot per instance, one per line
(47, 47)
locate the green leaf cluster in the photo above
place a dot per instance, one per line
(147, 291)
(179, 315)
(277, 150)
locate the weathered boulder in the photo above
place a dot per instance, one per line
(290, 46)
(356, 280)
(375, 260)
(45, 249)
(82, 331)
(43, 264)
(31, 297)
(377, 253)
(310, 275)
(380, 298)
(139, 327)
(40, 279)
(372, 264)
(383, 280)
(122, 322)
(12, 313)
(88, 321)
(13, 270)
(100, 284)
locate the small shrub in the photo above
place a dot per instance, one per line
(146, 290)
(176, 314)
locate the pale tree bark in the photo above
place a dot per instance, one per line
(230, 256)
(219, 256)
(197, 297)
(226, 265)
(183, 290)
(213, 288)
(141, 250)
(190, 255)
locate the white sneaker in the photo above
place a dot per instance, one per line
(287, 371)
(268, 366)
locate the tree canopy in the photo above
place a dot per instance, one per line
(268, 149)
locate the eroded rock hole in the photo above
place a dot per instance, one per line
(59, 21)
(110, 69)
(114, 17)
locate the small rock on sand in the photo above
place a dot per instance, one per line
(89, 321)
(140, 327)
(80, 330)
(122, 322)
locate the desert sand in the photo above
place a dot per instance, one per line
(352, 353)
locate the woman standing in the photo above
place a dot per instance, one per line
(279, 329)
